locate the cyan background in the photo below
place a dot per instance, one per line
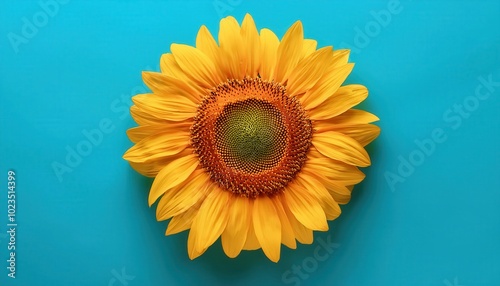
(83, 62)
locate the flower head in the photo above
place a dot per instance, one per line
(250, 139)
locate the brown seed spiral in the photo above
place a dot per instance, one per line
(251, 137)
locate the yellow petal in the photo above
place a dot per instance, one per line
(315, 187)
(363, 133)
(340, 58)
(151, 168)
(174, 108)
(289, 52)
(353, 116)
(169, 194)
(196, 65)
(251, 44)
(320, 93)
(269, 48)
(166, 62)
(302, 233)
(305, 207)
(193, 252)
(267, 227)
(340, 193)
(339, 185)
(232, 48)
(346, 97)
(326, 86)
(183, 221)
(172, 175)
(309, 47)
(164, 85)
(332, 66)
(170, 67)
(144, 118)
(252, 243)
(308, 71)
(211, 219)
(157, 146)
(337, 146)
(337, 189)
(205, 42)
(186, 195)
(339, 171)
(287, 234)
(235, 235)
(138, 133)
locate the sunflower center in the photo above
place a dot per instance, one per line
(251, 137)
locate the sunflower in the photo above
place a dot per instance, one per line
(250, 138)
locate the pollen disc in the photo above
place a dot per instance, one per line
(251, 137)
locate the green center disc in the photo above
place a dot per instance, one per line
(251, 135)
